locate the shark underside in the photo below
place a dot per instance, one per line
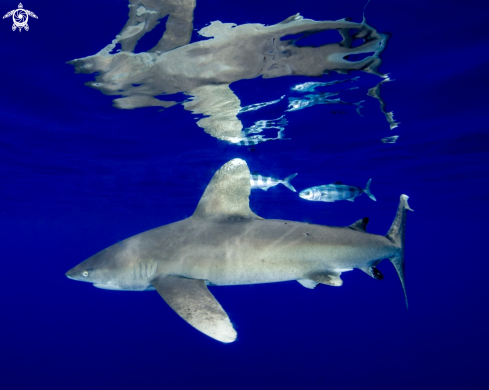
(225, 243)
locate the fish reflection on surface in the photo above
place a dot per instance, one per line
(320, 98)
(390, 140)
(257, 106)
(257, 139)
(299, 103)
(259, 126)
(205, 69)
(312, 85)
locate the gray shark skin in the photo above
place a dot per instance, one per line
(224, 243)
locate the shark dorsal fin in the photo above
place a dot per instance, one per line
(360, 225)
(337, 182)
(227, 194)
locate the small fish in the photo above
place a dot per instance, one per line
(390, 140)
(264, 183)
(334, 192)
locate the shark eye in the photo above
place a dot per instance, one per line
(85, 273)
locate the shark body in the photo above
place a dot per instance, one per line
(225, 243)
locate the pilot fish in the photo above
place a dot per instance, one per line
(264, 183)
(335, 191)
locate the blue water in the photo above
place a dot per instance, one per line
(79, 175)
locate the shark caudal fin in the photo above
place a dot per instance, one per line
(367, 191)
(286, 182)
(396, 236)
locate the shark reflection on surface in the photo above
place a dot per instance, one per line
(205, 69)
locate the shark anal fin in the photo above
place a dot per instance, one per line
(307, 283)
(192, 301)
(227, 194)
(330, 279)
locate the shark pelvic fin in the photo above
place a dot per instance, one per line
(307, 283)
(396, 235)
(329, 278)
(360, 225)
(227, 194)
(192, 301)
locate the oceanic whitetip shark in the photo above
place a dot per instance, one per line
(224, 243)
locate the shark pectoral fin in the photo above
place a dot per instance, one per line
(307, 283)
(227, 194)
(331, 279)
(192, 301)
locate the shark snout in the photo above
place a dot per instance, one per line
(78, 273)
(71, 274)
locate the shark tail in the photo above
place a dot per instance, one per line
(367, 191)
(396, 236)
(286, 182)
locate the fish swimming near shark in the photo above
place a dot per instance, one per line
(264, 182)
(335, 191)
(224, 243)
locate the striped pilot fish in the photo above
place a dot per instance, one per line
(335, 191)
(264, 183)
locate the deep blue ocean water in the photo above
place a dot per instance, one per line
(78, 175)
